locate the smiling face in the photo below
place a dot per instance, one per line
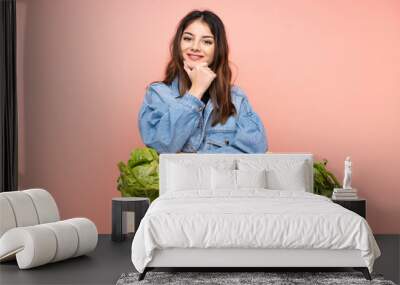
(197, 43)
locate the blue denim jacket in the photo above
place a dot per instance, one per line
(170, 124)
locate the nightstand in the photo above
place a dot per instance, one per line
(358, 206)
(138, 205)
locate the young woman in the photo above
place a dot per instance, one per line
(195, 108)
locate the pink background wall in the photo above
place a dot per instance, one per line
(323, 75)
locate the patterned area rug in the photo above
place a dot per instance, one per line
(270, 278)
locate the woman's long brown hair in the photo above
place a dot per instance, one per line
(220, 88)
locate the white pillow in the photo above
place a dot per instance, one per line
(227, 179)
(184, 175)
(251, 178)
(281, 174)
(223, 179)
(289, 179)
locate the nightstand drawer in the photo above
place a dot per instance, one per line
(358, 206)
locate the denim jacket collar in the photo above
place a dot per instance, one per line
(209, 107)
(175, 85)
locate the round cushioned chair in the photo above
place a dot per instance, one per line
(31, 230)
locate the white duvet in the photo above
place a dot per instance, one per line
(250, 218)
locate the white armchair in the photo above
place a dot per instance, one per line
(31, 230)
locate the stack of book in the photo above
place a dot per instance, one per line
(344, 194)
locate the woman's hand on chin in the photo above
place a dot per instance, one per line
(201, 77)
(193, 64)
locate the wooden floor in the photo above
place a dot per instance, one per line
(111, 259)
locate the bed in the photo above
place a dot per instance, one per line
(247, 210)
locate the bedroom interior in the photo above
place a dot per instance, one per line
(322, 75)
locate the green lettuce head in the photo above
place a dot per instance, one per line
(324, 180)
(139, 177)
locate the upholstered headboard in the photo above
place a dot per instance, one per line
(212, 159)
